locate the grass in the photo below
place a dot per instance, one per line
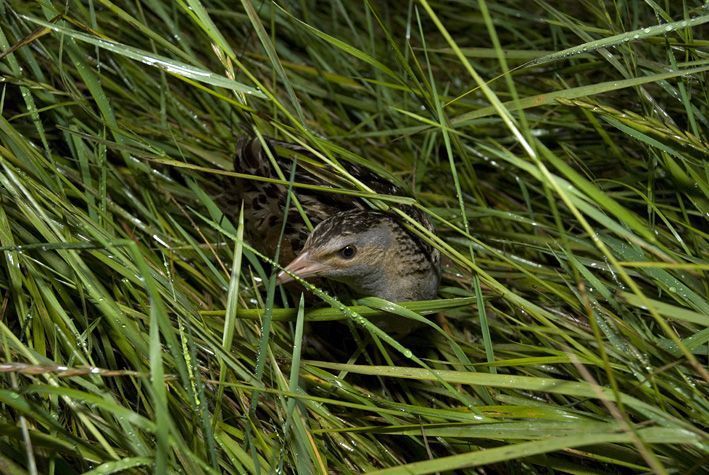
(560, 148)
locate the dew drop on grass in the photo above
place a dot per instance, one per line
(344, 445)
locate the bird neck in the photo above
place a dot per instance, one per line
(413, 287)
(396, 282)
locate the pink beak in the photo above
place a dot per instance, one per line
(303, 266)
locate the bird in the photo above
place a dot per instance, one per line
(369, 252)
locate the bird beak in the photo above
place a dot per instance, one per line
(303, 266)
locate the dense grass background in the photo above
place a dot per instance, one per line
(559, 147)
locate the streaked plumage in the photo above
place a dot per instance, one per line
(388, 260)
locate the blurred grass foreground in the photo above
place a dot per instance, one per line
(560, 148)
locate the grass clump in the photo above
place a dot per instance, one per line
(560, 149)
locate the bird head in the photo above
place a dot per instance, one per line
(368, 252)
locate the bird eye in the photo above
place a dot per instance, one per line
(348, 252)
